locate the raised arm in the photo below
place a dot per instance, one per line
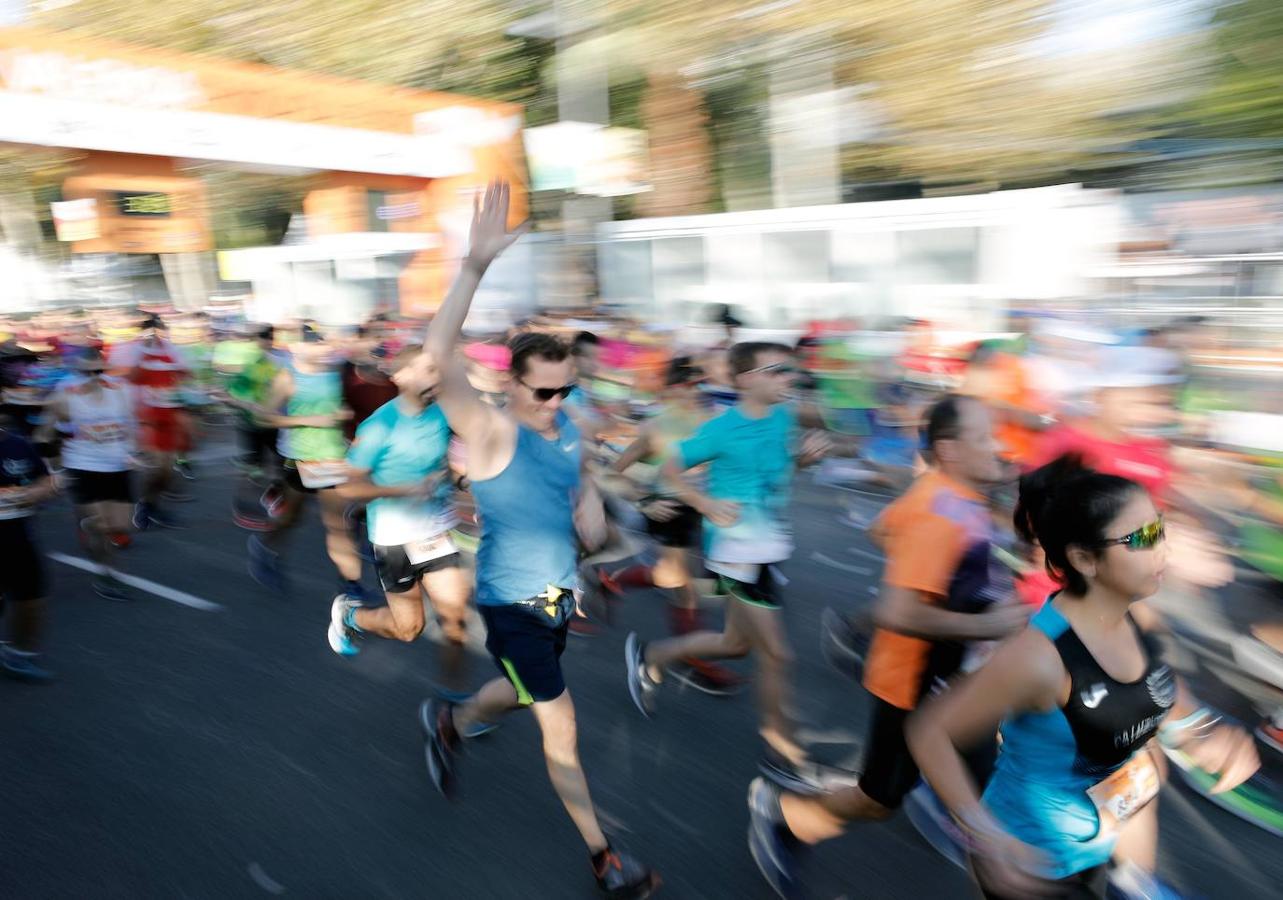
(489, 236)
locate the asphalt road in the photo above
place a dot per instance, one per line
(221, 750)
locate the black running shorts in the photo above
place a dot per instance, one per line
(680, 531)
(99, 487)
(398, 575)
(889, 769)
(526, 644)
(765, 592)
(22, 577)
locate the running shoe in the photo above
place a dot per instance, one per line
(264, 564)
(844, 647)
(22, 665)
(458, 698)
(621, 876)
(769, 840)
(163, 519)
(1130, 882)
(142, 515)
(808, 779)
(109, 588)
(184, 467)
(120, 540)
(609, 584)
(342, 638)
(273, 500)
(1271, 734)
(709, 678)
(640, 686)
(440, 744)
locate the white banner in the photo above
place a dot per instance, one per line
(55, 122)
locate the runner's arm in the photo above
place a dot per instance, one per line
(1024, 674)
(278, 395)
(916, 614)
(55, 414)
(469, 417)
(633, 453)
(359, 487)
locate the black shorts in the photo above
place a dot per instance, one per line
(889, 769)
(526, 644)
(680, 531)
(1089, 884)
(99, 487)
(398, 575)
(22, 577)
(765, 592)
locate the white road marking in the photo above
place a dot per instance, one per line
(141, 584)
(265, 881)
(840, 566)
(868, 554)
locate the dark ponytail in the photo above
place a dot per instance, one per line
(1065, 503)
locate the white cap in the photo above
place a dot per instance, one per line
(1134, 367)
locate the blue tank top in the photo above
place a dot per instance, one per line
(528, 539)
(1049, 760)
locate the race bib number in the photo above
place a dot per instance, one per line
(1127, 791)
(102, 432)
(432, 548)
(321, 473)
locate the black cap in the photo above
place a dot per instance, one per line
(152, 321)
(266, 333)
(311, 335)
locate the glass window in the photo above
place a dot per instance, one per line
(938, 256)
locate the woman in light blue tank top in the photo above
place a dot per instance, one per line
(1079, 698)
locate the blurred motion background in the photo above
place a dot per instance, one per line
(795, 159)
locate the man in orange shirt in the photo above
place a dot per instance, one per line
(941, 593)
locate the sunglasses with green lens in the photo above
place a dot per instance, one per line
(1143, 538)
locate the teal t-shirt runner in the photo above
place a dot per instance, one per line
(397, 447)
(750, 462)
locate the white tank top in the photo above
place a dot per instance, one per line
(102, 429)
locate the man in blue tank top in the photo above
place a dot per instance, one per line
(525, 468)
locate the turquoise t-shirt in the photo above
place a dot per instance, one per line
(398, 448)
(750, 463)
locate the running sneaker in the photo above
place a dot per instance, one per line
(22, 665)
(273, 500)
(163, 519)
(142, 515)
(264, 564)
(120, 540)
(808, 778)
(458, 698)
(342, 638)
(440, 744)
(1128, 881)
(109, 588)
(844, 647)
(184, 467)
(621, 876)
(769, 840)
(640, 686)
(609, 584)
(1271, 734)
(707, 677)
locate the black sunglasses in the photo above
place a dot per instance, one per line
(543, 395)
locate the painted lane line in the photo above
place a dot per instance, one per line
(141, 584)
(840, 566)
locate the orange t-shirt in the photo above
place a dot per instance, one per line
(937, 539)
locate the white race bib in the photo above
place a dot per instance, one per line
(321, 473)
(429, 549)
